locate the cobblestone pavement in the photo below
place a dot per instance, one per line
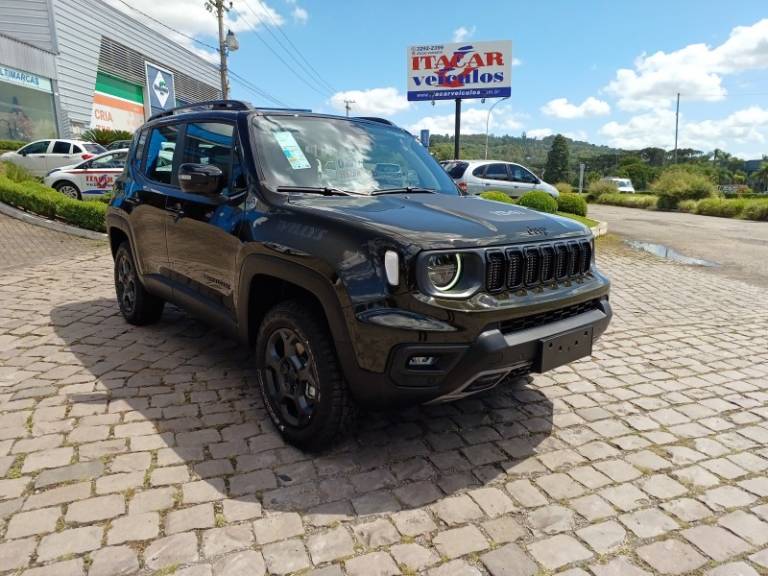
(23, 244)
(145, 450)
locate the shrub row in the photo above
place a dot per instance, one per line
(628, 200)
(11, 144)
(747, 208)
(572, 203)
(543, 202)
(34, 197)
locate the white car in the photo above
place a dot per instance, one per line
(42, 156)
(88, 179)
(623, 184)
(478, 176)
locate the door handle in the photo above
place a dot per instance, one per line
(178, 211)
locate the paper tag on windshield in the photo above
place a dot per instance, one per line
(293, 153)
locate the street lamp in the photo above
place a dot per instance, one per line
(487, 122)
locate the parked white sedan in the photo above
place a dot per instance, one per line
(88, 179)
(42, 156)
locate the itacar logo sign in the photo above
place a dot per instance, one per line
(160, 86)
(477, 70)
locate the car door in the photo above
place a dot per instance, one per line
(60, 154)
(496, 177)
(32, 157)
(203, 239)
(154, 180)
(98, 175)
(522, 180)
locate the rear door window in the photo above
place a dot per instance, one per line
(61, 147)
(161, 151)
(496, 172)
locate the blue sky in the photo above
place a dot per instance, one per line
(603, 71)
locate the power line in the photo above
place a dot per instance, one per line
(307, 66)
(279, 57)
(245, 83)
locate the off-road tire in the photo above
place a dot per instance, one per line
(334, 409)
(141, 308)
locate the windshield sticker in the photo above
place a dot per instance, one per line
(293, 153)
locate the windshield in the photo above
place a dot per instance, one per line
(353, 156)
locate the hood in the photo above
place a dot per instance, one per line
(441, 220)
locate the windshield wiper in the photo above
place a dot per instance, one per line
(324, 190)
(404, 190)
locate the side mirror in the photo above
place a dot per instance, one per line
(204, 179)
(22, 152)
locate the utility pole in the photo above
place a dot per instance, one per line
(677, 123)
(348, 106)
(457, 130)
(227, 43)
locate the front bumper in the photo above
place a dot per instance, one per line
(463, 369)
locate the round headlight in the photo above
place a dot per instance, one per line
(444, 270)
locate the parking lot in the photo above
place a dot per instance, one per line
(147, 450)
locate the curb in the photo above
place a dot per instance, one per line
(50, 224)
(600, 230)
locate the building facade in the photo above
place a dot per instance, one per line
(70, 65)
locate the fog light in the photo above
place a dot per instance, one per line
(422, 361)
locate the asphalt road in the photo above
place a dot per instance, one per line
(738, 247)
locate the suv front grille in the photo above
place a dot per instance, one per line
(535, 320)
(536, 264)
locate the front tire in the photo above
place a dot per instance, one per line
(300, 380)
(69, 190)
(138, 306)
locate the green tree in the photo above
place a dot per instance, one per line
(761, 176)
(556, 169)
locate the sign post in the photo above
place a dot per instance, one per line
(581, 177)
(424, 137)
(457, 71)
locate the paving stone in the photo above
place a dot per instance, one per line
(134, 527)
(243, 508)
(505, 529)
(330, 545)
(620, 566)
(95, 509)
(72, 541)
(168, 475)
(492, 501)
(278, 527)
(34, 522)
(204, 491)
(245, 563)
(760, 558)
(79, 471)
(285, 557)
(218, 541)
(152, 500)
(459, 541)
(626, 497)
(560, 486)
(139, 461)
(687, 509)
(663, 487)
(55, 496)
(65, 568)
(733, 569)
(508, 560)
(373, 564)
(119, 482)
(413, 522)
(455, 568)
(551, 520)
(47, 459)
(171, 550)
(457, 510)
(592, 507)
(715, 542)
(648, 523)
(671, 557)
(200, 516)
(377, 533)
(558, 551)
(526, 494)
(603, 538)
(727, 497)
(114, 561)
(747, 526)
(16, 554)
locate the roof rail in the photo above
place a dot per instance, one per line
(268, 109)
(375, 119)
(206, 105)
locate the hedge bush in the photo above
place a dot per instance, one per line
(721, 207)
(14, 145)
(687, 206)
(564, 188)
(538, 200)
(15, 172)
(497, 196)
(572, 203)
(756, 210)
(597, 189)
(629, 200)
(675, 185)
(34, 197)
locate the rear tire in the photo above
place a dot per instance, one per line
(138, 306)
(300, 380)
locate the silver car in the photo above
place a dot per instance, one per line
(478, 176)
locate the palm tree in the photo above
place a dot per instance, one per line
(761, 176)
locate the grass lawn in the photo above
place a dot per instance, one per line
(583, 219)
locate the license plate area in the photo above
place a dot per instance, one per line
(564, 348)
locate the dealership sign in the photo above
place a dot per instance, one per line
(160, 87)
(459, 70)
(21, 78)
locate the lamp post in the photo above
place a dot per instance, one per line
(487, 122)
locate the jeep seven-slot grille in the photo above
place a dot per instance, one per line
(535, 320)
(532, 265)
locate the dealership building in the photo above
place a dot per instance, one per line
(70, 65)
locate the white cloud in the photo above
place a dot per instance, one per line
(695, 70)
(561, 108)
(463, 33)
(657, 128)
(300, 15)
(473, 120)
(539, 133)
(384, 101)
(516, 62)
